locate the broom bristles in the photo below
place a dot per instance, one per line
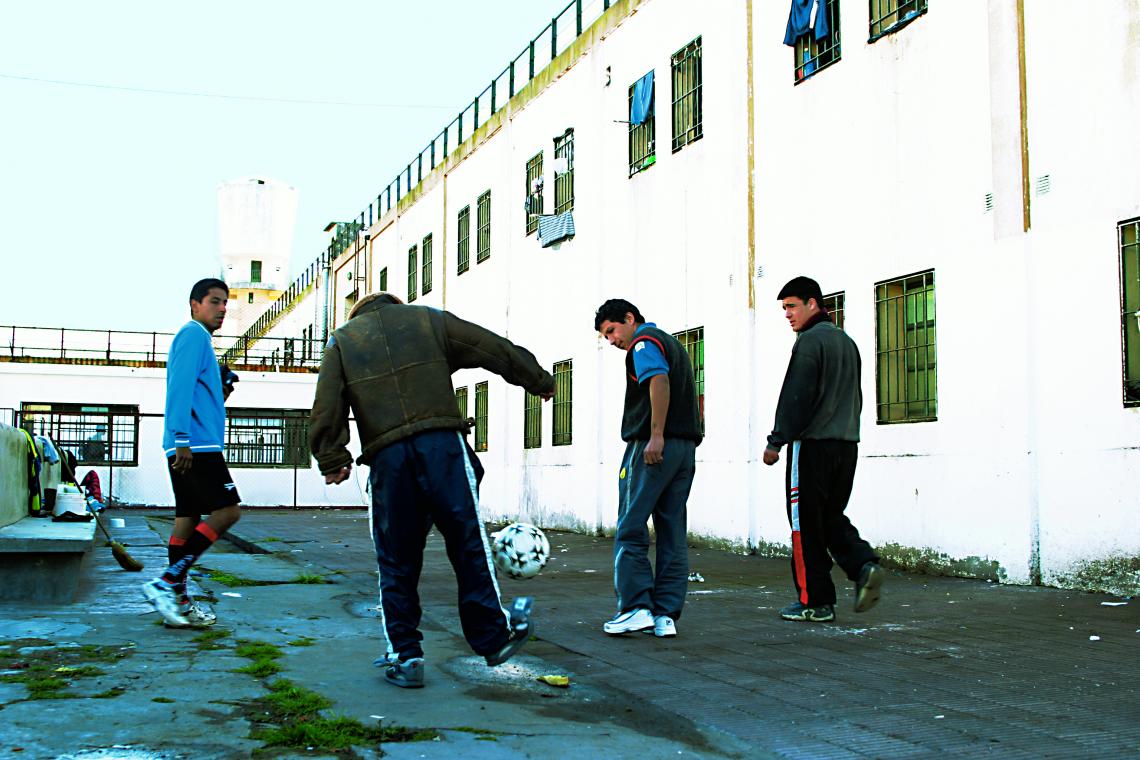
(125, 560)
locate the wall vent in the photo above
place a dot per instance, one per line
(759, 272)
(1044, 184)
(989, 202)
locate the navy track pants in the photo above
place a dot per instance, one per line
(432, 478)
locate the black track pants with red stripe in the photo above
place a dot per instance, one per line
(819, 479)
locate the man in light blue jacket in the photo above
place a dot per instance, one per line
(193, 440)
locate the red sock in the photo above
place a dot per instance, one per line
(200, 540)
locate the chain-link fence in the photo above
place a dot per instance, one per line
(266, 449)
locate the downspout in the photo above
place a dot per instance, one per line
(755, 430)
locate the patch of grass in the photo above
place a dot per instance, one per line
(114, 691)
(289, 718)
(310, 578)
(163, 700)
(48, 671)
(235, 581)
(264, 658)
(305, 641)
(208, 640)
(269, 540)
(486, 738)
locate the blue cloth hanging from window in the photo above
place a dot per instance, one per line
(799, 20)
(642, 100)
(554, 228)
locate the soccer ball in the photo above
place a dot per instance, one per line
(520, 550)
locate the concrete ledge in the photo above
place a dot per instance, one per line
(41, 560)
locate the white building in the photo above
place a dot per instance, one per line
(960, 177)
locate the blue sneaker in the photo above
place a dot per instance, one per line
(824, 613)
(521, 629)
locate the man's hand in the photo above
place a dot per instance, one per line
(654, 450)
(771, 456)
(546, 396)
(341, 475)
(183, 460)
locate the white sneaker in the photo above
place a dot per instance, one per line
(164, 599)
(628, 622)
(664, 627)
(196, 616)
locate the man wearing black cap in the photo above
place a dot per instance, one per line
(818, 415)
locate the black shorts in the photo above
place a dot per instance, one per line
(208, 485)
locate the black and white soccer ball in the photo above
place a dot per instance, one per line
(520, 550)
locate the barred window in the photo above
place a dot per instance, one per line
(384, 279)
(461, 401)
(834, 305)
(891, 15)
(267, 437)
(906, 375)
(426, 251)
(642, 150)
(811, 54)
(1129, 234)
(687, 95)
(694, 344)
(532, 421)
(412, 266)
(255, 271)
(95, 434)
(563, 403)
(483, 249)
(480, 416)
(564, 172)
(464, 240)
(533, 192)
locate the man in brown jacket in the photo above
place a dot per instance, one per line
(391, 365)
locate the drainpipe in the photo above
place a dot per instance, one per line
(326, 285)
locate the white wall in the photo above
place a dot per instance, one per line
(149, 483)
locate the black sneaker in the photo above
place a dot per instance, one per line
(867, 591)
(824, 613)
(408, 674)
(521, 630)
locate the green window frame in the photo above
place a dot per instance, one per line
(687, 95)
(464, 237)
(693, 341)
(889, 16)
(563, 403)
(834, 305)
(461, 401)
(267, 438)
(533, 192)
(425, 253)
(412, 267)
(384, 279)
(906, 367)
(481, 416)
(98, 434)
(1129, 237)
(483, 220)
(564, 181)
(642, 148)
(255, 271)
(809, 55)
(532, 421)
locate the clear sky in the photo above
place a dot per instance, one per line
(108, 194)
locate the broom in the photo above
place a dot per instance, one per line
(118, 551)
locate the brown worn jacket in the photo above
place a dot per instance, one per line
(391, 364)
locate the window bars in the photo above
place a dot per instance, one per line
(834, 305)
(810, 54)
(891, 15)
(267, 437)
(425, 250)
(686, 67)
(564, 172)
(642, 149)
(532, 421)
(533, 192)
(95, 434)
(1129, 236)
(464, 238)
(483, 244)
(906, 375)
(412, 266)
(563, 403)
(481, 416)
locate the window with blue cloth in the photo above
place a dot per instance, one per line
(815, 42)
(891, 15)
(642, 151)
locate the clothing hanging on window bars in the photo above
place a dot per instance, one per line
(800, 20)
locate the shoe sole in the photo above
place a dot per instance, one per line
(623, 631)
(870, 592)
(404, 683)
(512, 648)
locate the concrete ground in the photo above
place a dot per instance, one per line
(941, 667)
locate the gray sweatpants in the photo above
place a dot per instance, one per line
(659, 492)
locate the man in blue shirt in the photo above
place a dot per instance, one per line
(661, 426)
(193, 439)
